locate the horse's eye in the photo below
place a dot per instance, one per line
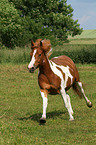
(39, 55)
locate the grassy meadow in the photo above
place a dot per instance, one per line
(21, 103)
(21, 108)
(87, 37)
(87, 34)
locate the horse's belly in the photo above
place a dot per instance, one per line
(53, 91)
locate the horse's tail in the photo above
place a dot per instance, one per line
(77, 89)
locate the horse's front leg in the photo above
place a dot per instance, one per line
(45, 102)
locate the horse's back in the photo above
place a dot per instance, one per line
(66, 61)
(63, 60)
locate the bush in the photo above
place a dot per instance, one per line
(78, 53)
(16, 55)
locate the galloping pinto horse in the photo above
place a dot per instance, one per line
(55, 76)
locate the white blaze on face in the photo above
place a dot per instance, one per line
(31, 64)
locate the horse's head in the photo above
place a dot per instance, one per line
(39, 49)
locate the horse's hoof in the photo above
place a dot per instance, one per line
(42, 120)
(71, 119)
(89, 104)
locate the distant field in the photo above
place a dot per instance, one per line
(86, 34)
(21, 108)
(87, 37)
(82, 41)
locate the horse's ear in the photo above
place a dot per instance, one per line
(41, 43)
(32, 43)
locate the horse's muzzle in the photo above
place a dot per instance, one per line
(31, 70)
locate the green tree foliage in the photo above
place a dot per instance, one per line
(10, 26)
(22, 20)
(12, 30)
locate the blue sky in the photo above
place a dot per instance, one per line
(85, 12)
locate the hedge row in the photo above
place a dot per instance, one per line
(78, 53)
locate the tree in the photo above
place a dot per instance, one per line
(15, 29)
(30, 19)
(10, 26)
(56, 16)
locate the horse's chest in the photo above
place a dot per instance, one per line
(54, 84)
(50, 82)
(54, 80)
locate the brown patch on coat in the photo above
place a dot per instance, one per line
(47, 79)
(61, 72)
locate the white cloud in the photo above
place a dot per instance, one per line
(85, 12)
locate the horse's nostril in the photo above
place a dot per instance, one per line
(32, 68)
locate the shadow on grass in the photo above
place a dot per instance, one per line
(36, 117)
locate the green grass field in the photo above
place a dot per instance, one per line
(21, 108)
(87, 34)
(87, 37)
(21, 103)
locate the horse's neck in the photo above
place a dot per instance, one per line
(45, 66)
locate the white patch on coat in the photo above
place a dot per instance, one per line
(31, 64)
(57, 72)
(67, 73)
(65, 70)
(55, 57)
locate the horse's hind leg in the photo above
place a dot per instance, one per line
(67, 102)
(80, 92)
